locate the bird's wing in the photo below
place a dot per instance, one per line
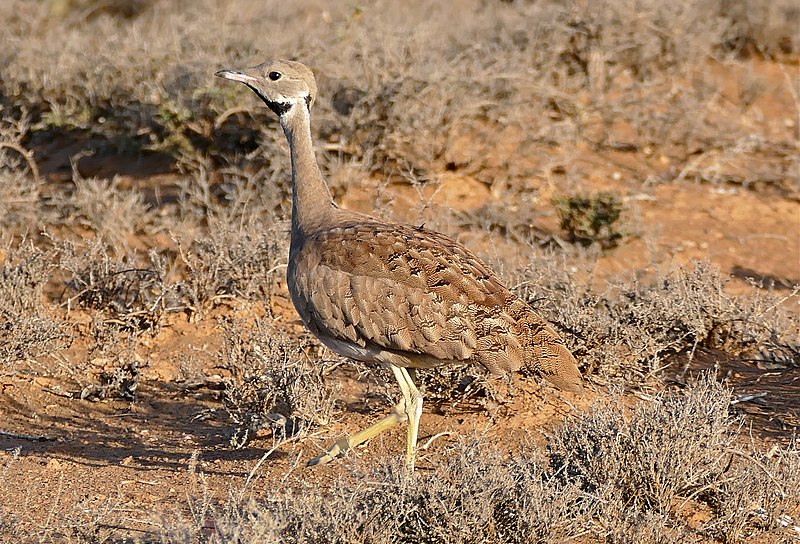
(398, 288)
(421, 299)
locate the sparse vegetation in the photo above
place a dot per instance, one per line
(276, 383)
(631, 329)
(149, 354)
(606, 476)
(232, 264)
(131, 296)
(26, 331)
(591, 219)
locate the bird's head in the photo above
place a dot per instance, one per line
(283, 85)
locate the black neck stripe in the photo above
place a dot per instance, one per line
(278, 107)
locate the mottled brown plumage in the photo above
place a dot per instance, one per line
(421, 298)
(403, 296)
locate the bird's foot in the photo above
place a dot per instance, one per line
(337, 449)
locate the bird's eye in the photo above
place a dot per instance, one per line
(275, 76)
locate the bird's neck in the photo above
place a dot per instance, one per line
(311, 198)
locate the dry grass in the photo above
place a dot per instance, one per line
(277, 382)
(233, 264)
(631, 330)
(128, 292)
(26, 332)
(604, 477)
(611, 77)
(95, 266)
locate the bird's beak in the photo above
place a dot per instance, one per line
(236, 76)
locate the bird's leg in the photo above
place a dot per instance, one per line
(398, 415)
(412, 403)
(408, 409)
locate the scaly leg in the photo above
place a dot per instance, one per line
(408, 409)
(397, 415)
(412, 402)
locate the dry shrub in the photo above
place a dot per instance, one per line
(458, 387)
(19, 178)
(276, 381)
(477, 495)
(240, 244)
(127, 296)
(679, 448)
(244, 196)
(113, 369)
(114, 214)
(405, 91)
(631, 330)
(761, 493)
(244, 262)
(645, 528)
(400, 84)
(760, 29)
(589, 219)
(18, 203)
(607, 475)
(117, 381)
(26, 331)
(131, 291)
(673, 447)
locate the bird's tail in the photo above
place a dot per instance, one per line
(561, 369)
(548, 356)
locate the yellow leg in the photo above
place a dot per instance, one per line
(396, 416)
(408, 409)
(412, 403)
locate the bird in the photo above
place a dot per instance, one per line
(399, 295)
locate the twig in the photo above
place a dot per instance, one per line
(699, 490)
(28, 156)
(222, 117)
(644, 396)
(144, 482)
(759, 465)
(428, 442)
(790, 85)
(57, 392)
(252, 473)
(31, 437)
(748, 398)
